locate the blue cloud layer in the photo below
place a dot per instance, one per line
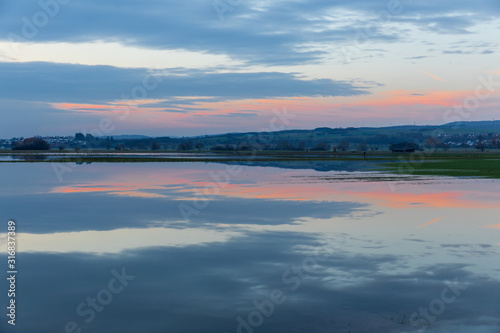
(50, 82)
(266, 33)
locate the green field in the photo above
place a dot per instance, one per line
(455, 167)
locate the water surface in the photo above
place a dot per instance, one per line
(245, 248)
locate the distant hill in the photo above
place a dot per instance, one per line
(452, 135)
(474, 125)
(130, 137)
(462, 134)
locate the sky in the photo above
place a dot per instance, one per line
(185, 68)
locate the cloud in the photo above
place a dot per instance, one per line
(270, 33)
(457, 24)
(433, 76)
(471, 47)
(433, 221)
(417, 57)
(456, 52)
(111, 210)
(50, 82)
(206, 287)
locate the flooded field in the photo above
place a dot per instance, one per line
(269, 247)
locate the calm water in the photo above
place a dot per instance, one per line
(206, 247)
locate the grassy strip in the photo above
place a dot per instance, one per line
(461, 167)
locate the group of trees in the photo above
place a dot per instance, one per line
(88, 140)
(35, 143)
(404, 146)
